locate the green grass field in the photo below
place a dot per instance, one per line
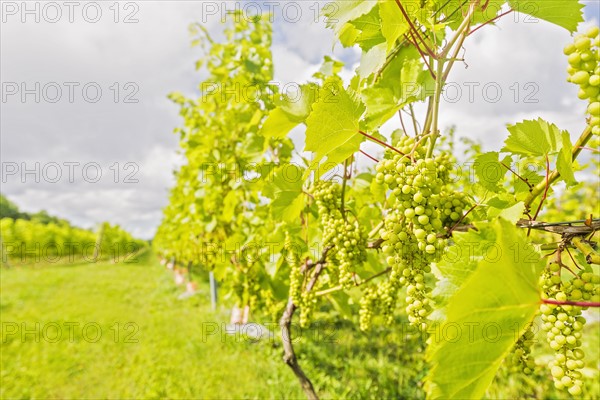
(125, 335)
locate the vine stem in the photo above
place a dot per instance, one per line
(572, 303)
(381, 143)
(344, 180)
(545, 195)
(285, 323)
(490, 21)
(417, 33)
(529, 185)
(442, 74)
(591, 256)
(538, 189)
(340, 287)
(439, 85)
(414, 119)
(369, 156)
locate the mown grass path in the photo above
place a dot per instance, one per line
(123, 334)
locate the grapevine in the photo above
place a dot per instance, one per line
(422, 210)
(382, 233)
(564, 323)
(584, 56)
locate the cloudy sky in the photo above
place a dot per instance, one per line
(86, 127)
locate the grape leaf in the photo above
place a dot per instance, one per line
(462, 257)
(498, 296)
(291, 111)
(277, 125)
(532, 138)
(338, 13)
(288, 198)
(564, 161)
(297, 106)
(402, 82)
(369, 26)
(372, 60)
(393, 23)
(489, 171)
(512, 213)
(332, 129)
(565, 13)
(455, 10)
(230, 202)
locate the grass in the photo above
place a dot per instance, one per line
(162, 353)
(125, 335)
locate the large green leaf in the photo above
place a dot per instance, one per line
(533, 138)
(277, 125)
(403, 81)
(565, 13)
(369, 26)
(288, 198)
(393, 23)
(489, 171)
(338, 13)
(372, 60)
(332, 128)
(500, 295)
(564, 162)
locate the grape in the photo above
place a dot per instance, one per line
(583, 57)
(413, 230)
(308, 303)
(521, 358)
(368, 302)
(563, 324)
(295, 274)
(347, 238)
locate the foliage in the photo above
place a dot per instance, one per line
(333, 235)
(42, 238)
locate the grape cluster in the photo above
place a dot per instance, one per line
(564, 324)
(347, 238)
(382, 298)
(520, 357)
(368, 302)
(414, 230)
(584, 56)
(296, 278)
(308, 304)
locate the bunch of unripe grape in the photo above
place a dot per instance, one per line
(348, 240)
(368, 302)
(296, 277)
(381, 297)
(584, 57)
(564, 323)
(414, 230)
(308, 304)
(521, 357)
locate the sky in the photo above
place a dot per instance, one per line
(86, 128)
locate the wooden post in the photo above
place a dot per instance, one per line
(213, 290)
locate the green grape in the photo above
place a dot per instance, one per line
(347, 239)
(368, 302)
(295, 278)
(564, 324)
(583, 56)
(308, 304)
(415, 228)
(520, 358)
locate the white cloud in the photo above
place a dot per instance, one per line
(156, 55)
